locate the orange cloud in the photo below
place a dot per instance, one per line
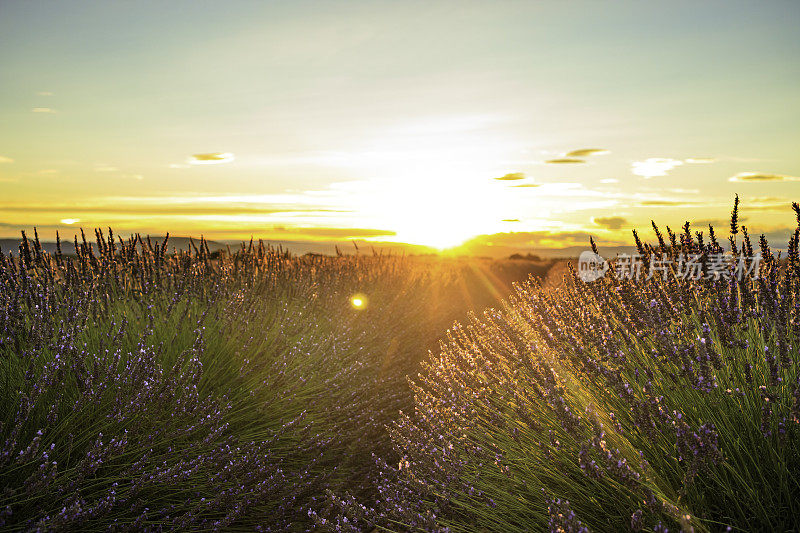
(584, 152)
(213, 158)
(565, 161)
(610, 222)
(512, 176)
(761, 176)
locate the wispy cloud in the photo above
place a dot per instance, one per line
(510, 220)
(654, 166)
(765, 200)
(513, 176)
(660, 166)
(155, 206)
(761, 176)
(609, 180)
(610, 222)
(684, 191)
(523, 239)
(667, 203)
(102, 167)
(44, 110)
(44, 93)
(585, 152)
(527, 185)
(213, 158)
(4, 159)
(335, 233)
(715, 222)
(565, 161)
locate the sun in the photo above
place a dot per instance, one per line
(442, 211)
(444, 216)
(430, 181)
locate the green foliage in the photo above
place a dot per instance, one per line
(151, 390)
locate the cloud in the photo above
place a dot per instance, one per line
(585, 152)
(565, 161)
(44, 110)
(660, 166)
(510, 220)
(213, 158)
(609, 180)
(716, 222)
(768, 203)
(529, 184)
(512, 176)
(517, 239)
(4, 159)
(654, 166)
(335, 233)
(44, 93)
(610, 222)
(169, 209)
(666, 203)
(761, 176)
(103, 167)
(26, 227)
(785, 207)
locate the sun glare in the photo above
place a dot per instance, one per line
(435, 187)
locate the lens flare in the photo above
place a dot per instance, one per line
(358, 301)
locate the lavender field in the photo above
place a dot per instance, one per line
(149, 390)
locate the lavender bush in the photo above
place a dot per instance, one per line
(662, 404)
(143, 389)
(149, 390)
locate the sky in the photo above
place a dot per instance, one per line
(500, 124)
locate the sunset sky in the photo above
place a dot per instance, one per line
(520, 124)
